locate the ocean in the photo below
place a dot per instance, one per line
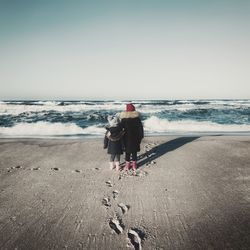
(89, 118)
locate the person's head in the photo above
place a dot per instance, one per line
(130, 107)
(113, 120)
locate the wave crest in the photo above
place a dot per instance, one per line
(157, 125)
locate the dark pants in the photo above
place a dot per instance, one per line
(115, 156)
(129, 155)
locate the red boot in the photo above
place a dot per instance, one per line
(134, 165)
(127, 165)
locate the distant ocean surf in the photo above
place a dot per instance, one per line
(88, 118)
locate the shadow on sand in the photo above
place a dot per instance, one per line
(162, 149)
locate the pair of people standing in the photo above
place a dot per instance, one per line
(124, 132)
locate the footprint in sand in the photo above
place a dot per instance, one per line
(109, 184)
(37, 168)
(12, 168)
(136, 236)
(124, 207)
(55, 169)
(78, 171)
(106, 202)
(151, 163)
(115, 194)
(116, 225)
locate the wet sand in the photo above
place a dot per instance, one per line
(188, 193)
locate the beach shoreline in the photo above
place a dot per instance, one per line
(100, 136)
(190, 192)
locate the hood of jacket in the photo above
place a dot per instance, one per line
(129, 114)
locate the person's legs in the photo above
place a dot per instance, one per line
(111, 162)
(127, 159)
(134, 159)
(118, 157)
(134, 156)
(117, 162)
(127, 156)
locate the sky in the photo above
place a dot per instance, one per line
(158, 49)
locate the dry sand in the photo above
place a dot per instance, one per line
(60, 194)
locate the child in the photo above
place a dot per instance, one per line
(113, 141)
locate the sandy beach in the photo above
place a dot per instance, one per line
(188, 193)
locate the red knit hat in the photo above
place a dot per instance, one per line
(130, 107)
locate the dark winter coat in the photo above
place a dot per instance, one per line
(132, 125)
(113, 140)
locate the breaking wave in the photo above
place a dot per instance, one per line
(49, 129)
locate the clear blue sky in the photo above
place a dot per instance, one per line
(56, 49)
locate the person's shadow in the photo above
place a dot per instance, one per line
(162, 149)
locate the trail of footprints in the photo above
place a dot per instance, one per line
(149, 151)
(14, 168)
(11, 169)
(135, 236)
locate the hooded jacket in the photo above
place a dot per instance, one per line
(132, 125)
(113, 139)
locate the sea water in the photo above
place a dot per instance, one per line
(89, 118)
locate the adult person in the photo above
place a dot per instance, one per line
(132, 125)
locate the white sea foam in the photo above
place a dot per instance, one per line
(49, 129)
(157, 125)
(142, 106)
(14, 109)
(153, 125)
